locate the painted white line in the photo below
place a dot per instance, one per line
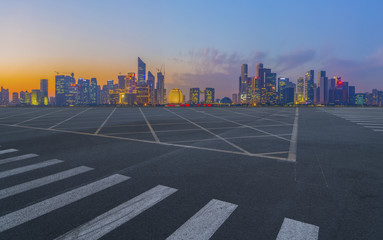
(294, 137)
(39, 117)
(259, 118)
(41, 208)
(24, 113)
(205, 222)
(106, 120)
(18, 158)
(378, 130)
(150, 126)
(368, 126)
(247, 126)
(228, 138)
(295, 230)
(119, 215)
(7, 192)
(272, 153)
(11, 150)
(28, 168)
(208, 131)
(66, 120)
(148, 141)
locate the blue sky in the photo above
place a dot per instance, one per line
(201, 43)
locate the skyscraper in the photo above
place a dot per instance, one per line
(194, 96)
(60, 90)
(323, 87)
(209, 95)
(243, 84)
(300, 90)
(309, 87)
(44, 88)
(84, 94)
(151, 86)
(93, 91)
(121, 81)
(141, 72)
(160, 88)
(282, 82)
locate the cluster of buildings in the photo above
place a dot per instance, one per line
(131, 89)
(142, 89)
(264, 89)
(35, 98)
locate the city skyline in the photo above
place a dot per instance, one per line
(265, 87)
(97, 41)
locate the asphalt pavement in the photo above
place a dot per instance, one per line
(191, 173)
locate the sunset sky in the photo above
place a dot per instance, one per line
(201, 43)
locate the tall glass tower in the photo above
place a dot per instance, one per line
(141, 72)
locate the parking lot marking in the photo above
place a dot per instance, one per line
(205, 222)
(21, 114)
(7, 192)
(28, 168)
(294, 137)
(148, 141)
(41, 208)
(247, 126)
(259, 118)
(66, 120)
(11, 150)
(40, 116)
(149, 126)
(228, 138)
(106, 120)
(119, 215)
(295, 230)
(18, 158)
(208, 131)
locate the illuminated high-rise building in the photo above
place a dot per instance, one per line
(74, 95)
(22, 97)
(209, 95)
(300, 91)
(121, 81)
(323, 86)
(131, 83)
(4, 96)
(309, 87)
(194, 96)
(15, 98)
(161, 88)
(44, 88)
(84, 87)
(243, 81)
(282, 82)
(151, 86)
(60, 90)
(27, 98)
(36, 97)
(93, 91)
(141, 72)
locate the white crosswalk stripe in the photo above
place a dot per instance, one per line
(369, 118)
(205, 222)
(41, 208)
(18, 158)
(7, 192)
(28, 168)
(11, 150)
(295, 230)
(114, 218)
